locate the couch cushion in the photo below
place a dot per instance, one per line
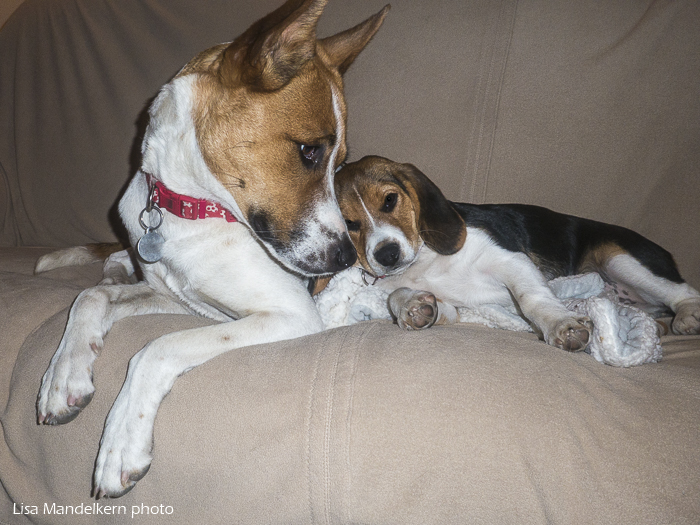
(363, 424)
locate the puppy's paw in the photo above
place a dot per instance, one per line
(66, 387)
(125, 452)
(687, 319)
(420, 311)
(571, 334)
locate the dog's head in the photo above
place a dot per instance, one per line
(269, 119)
(391, 209)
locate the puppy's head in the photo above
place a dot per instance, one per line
(269, 118)
(391, 209)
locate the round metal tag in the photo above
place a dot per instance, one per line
(150, 247)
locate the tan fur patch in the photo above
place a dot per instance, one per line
(102, 250)
(320, 285)
(594, 260)
(250, 141)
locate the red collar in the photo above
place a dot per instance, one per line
(186, 207)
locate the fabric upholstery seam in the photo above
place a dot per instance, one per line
(500, 51)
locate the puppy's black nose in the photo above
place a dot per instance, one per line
(388, 255)
(346, 254)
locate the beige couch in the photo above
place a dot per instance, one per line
(587, 107)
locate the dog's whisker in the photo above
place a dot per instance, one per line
(432, 231)
(242, 144)
(235, 183)
(276, 230)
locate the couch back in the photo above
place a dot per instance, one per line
(587, 107)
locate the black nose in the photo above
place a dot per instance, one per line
(388, 255)
(346, 254)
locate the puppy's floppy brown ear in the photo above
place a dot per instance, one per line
(343, 48)
(273, 50)
(439, 224)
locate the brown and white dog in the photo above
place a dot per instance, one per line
(246, 138)
(433, 255)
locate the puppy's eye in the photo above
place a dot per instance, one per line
(310, 155)
(390, 202)
(353, 226)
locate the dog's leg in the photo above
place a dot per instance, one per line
(127, 440)
(417, 310)
(657, 291)
(119, 268)
(67, 387)
(558, 325)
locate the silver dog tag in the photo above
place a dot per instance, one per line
(150, 247)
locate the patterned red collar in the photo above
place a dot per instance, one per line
(186, 207)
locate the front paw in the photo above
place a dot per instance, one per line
(66, 387)
(687, 319)
(125, 452)
(571, 334)
(420, 311)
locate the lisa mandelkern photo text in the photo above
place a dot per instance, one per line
(94, 508)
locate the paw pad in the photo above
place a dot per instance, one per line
(419, 312)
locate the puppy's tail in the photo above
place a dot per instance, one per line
(77, 256)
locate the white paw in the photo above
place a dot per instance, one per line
(418, 312)
(125, 450)
(66, 387)
(687, 319)
(571, 334)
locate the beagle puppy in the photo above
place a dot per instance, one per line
(434, 255)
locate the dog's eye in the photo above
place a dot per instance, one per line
(390, 202)
(353, 226)
(310, 155)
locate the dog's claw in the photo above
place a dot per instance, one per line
(128, 481)
(120, 493)
(103, 494)
(66, 417)
(136, 476)
(75, 406)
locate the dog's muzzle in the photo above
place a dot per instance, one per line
(338, 255)
(345, 254)
(313, 250)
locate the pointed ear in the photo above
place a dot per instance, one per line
(273, 50)
(343, 48)
(439, 224)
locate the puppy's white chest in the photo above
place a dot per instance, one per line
(467, 278)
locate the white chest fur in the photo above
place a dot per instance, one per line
(467, 278)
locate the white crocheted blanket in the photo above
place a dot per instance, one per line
(622, 335)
